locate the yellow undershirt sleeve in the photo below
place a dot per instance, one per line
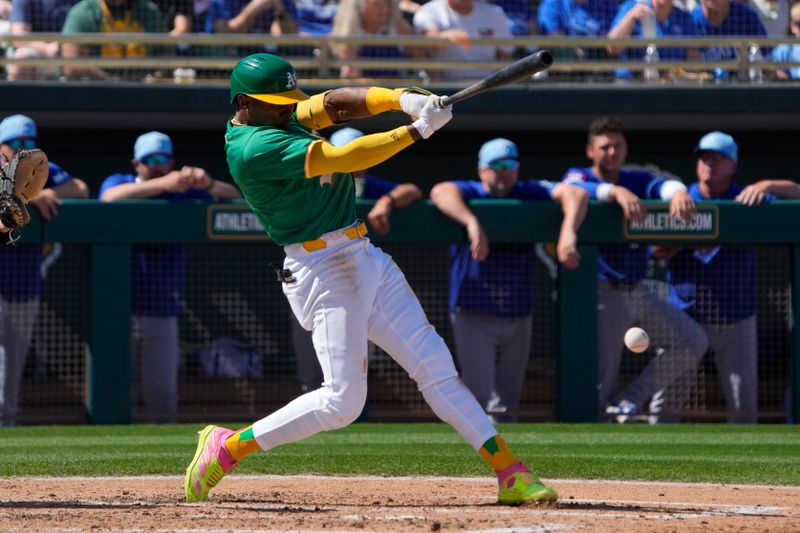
(380, 100)
(311, 113)
(364, 152)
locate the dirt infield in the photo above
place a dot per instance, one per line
(332, 504)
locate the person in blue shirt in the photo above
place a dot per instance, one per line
(789, 52)
(389, 196)
(310, 17)
(22, 283)
(579, 18)
(158, 270)
(725, 18)
(491, 288)
(650, 19)
(717, 285)
(622, 300)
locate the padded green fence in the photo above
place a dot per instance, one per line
(109, 229)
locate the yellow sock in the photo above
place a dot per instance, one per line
(497, 454)
(242, 443)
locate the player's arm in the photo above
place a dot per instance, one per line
(322, 157)
(574, 204)
(757, 192)
(448, 198)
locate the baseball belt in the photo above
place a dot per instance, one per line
(353, 232)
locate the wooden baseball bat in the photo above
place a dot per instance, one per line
(522, 68)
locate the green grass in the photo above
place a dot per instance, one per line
(767, 454)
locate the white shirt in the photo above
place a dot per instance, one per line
(485, 20)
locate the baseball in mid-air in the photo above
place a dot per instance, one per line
(637, 340)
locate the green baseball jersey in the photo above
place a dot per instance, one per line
(268, 165)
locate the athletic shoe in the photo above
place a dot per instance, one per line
(519, 486)
(623, 411)
(210, 464)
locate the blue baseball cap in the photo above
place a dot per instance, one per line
(716, 141)
(495, 150)
(152, 142)
(345, 135)
(17, 126)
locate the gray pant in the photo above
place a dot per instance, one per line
(736, 356)
(155, 355)
(16, 327)
(678, 340)
(493, 353)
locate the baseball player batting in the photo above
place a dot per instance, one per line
(340, 286)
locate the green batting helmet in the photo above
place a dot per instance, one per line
(268, 78)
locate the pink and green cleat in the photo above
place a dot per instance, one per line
(210, 464)
(519, 486)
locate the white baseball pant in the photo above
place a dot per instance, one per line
(346, 294)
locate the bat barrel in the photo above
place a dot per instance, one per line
(522, 68)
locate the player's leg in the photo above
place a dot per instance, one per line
(18, 328)
(680, 344)
(512, 364)
(309, 373)
(332, 294)
(736, 357)
(613, 317)
(399, 325)
(473, 335)
(159, 360)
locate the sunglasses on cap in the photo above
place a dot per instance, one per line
(504, 164)
(156, 160)
(16, 144)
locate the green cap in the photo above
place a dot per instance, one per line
(268, 78)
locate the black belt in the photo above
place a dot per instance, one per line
(623, 284)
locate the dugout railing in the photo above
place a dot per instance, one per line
(210, 57)
(109, 230)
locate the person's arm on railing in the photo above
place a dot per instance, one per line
(757, 192)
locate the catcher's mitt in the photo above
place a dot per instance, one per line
(20, 180)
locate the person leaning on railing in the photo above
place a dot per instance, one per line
(679, 341)
(22, 283)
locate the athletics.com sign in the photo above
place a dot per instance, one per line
(658, 224)
(233, 222)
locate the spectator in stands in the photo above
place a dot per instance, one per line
(578, 18)
(356, 18)
(242, 16)
(491, 290)
(717, 285)
(774, 15)
(725, 18)
(309, 17)
(178, 14)
(157, 270)
(389, 197)
(110, 16)
(789, 52)
(460, 21)
(651, 19)
(29, 16)
(22, 283)
(622, 301)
